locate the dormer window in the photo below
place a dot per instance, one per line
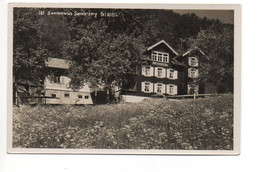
(160, 56)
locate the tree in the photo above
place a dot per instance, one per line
(101, 58)
(103, 50)
(29, 53)
(217, 42)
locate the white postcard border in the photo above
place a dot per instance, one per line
(237, 79)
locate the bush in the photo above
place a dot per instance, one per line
(203, 124)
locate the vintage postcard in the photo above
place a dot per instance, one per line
(124, 79)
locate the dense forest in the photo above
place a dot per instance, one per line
(106, 44)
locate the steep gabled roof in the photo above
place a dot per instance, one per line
(26, 82)
(57, 63)
(176, 62)
(193, 49)
(162, 42)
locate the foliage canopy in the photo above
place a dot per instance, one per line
(103, 50)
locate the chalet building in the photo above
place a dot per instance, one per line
(162, 75)
(192, 59)
(165, 74)
(57, 85)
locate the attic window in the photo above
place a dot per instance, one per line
(193, 61)
(160, 56)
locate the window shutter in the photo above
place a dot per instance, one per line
(143, 70)
(196, 62)
(151, 88)
(151, 71)
(196, 73)
(163, 88)
(142, 86)
(189, 61)
(163, 72)
(189, 72)
(175, 74)
(175, 89)
(155, 71)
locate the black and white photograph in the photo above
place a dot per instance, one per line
(124, 80)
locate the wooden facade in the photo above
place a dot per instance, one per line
(166, 74)
(161, 76)
(193, 59)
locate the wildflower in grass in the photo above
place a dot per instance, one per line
(152, 124)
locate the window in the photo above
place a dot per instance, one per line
(160, 56)
(171, 89)
(193, 61)
(159, 72)
(193, 88)
(56, 79)
(165, 58)
(53, 95)
(154, 56)
(159, 88)
(86, 97)
(147, 70)
(146, 87)
(171, 72)
(66, 95)
(80, 96)
(193, 72)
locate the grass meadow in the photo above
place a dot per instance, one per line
(201, 124)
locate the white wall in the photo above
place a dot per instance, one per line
(63, 85)
(72, 99)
